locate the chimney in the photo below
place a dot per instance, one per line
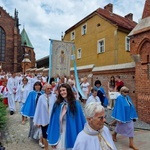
(129, 16)
(109, 7)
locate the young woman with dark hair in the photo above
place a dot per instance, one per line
(66, 121)
(29, 107)
(101, 93)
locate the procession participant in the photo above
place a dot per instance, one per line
(101, 93)
(94, 136)
(43, 111)
(72, 79)
(85, 86)
(93, 97)
(4, 92)
(71, 83)
(118, 84)
(29, 107)
(111, 88)
(124, 113)
(12, 86)
(24, 90)
(66, 121)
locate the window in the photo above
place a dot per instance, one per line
(127, 44)
(72, 35)
(79, 51)
(101, 46)
(2, 44)
(84, 29)
(29, 53)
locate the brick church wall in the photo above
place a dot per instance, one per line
(140, 44)
(13, 43)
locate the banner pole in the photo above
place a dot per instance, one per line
(76, 74)
(50, 61)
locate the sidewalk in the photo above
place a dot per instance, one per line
(16, 137)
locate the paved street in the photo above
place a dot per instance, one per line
(16, 137)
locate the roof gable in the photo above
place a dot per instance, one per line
(25, 41)
(144, 23)
(5, 13)
(123, 22)
(116, 19)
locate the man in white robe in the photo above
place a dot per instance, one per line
(13, 87)
(43, 111)
(94, 136)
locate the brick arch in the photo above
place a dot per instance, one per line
(145, 40)
(144, 50)
(3, 29)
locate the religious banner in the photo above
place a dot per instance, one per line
(60, 52)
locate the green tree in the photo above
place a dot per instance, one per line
(3, 113)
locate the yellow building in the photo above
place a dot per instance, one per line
(101, 38)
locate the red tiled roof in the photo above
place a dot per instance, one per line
(116, 19)
(120, 21)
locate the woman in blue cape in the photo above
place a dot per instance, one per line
(29, 107)
(124, 113)
(101, 93)
(67, 120)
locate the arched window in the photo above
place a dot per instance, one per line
(2, 44)
(29, 54)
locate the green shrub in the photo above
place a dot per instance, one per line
(3, 114)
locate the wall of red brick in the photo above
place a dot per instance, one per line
(126, 75)
(13, 43)
(140, 44)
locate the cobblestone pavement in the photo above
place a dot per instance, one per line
(16, 136)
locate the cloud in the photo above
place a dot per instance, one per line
(45, 19)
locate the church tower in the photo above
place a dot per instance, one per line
(28, 52)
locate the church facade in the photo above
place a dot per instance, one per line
(12, 46)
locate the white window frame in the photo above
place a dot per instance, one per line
(84, 29)
(72, 35)
(79, 53)
(101, 46)
(127, 44)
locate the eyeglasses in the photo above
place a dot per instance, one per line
(102, 117)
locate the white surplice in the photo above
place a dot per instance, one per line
(44, 109)
(12, 86)
(93, 99)
(89, 139)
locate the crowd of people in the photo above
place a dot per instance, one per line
(62, 118)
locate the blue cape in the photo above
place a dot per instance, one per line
(29, 107)
(103, 99)
(74, 124)
(123, 111)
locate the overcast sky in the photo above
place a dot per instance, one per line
(45, 19)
